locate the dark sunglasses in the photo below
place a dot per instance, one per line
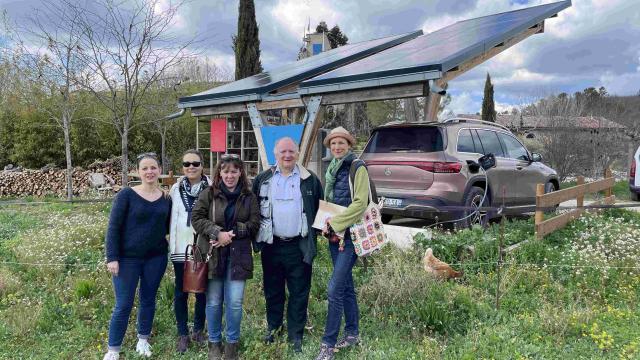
(229, 156)
(147, 154)
(190, 163)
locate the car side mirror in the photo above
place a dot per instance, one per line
(535, 157)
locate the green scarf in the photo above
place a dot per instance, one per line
(330, 176)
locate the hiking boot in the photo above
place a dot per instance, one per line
(199, 337)
(271, 334)
(231, 351)
(348, 341)
(183, 344)
(326, 352)
(296, 345)
(215, 351)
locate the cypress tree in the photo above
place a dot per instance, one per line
(246, 44)
(488, 106)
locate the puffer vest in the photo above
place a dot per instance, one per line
(341, 191)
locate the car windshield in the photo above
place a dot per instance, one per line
(406, 139)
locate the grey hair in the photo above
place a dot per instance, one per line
(275, 147)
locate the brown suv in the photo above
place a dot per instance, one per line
(421, 169)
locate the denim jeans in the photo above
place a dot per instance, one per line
(180, 301)
(341, 293)
(148, 272)
(231, 294)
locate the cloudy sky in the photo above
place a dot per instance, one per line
(593, 43)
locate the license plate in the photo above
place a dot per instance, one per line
(391, 202)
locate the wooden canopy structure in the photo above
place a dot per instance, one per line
(402, 66)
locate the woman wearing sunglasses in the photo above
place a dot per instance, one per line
(184, 194)
(226, 218)
(136, 250)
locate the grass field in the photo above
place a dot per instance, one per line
(572, 296)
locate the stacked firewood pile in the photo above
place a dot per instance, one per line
(52, 181)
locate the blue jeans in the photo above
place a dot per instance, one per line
(341, 293)
(148, 272)
(180, 301)
(231, 294)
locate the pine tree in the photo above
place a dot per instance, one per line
(488, 106)
(246, 44)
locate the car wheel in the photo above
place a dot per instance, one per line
(635, 196)
(386, 218)
(548, 188)
(473, 201)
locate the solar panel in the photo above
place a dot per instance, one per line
(253, 87)
(427, 56)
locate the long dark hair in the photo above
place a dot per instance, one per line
(224, 163)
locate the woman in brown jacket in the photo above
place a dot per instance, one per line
(226, 218)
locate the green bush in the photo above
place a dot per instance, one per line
(85, 288)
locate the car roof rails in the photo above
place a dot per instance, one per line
(458, 120)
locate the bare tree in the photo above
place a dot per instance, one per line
(54, 65)
(126, 48)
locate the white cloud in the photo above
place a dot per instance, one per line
(294, 15)
(463, 103)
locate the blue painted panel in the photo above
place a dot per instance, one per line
(272, 133)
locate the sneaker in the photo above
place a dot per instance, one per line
(347, 341)
(143, 348)
(199, 337)
(111, 355)
(326, 352)
(183, 344)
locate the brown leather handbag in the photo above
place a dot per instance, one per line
(196, 270)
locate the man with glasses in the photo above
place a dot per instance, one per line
(289, 196)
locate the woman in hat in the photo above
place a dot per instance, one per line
(341, 291)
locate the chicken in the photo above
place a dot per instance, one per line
(437, 268)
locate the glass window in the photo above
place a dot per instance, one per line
(405, 139)
(490, 142)
(465, 142)
(513, 147)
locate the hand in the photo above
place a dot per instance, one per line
(224, 238)
(327, 226)
(113, 267)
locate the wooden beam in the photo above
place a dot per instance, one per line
(312, 123)
(373, 94)
(471, 63)
(548, 226)
(280, 104)
(219, 110)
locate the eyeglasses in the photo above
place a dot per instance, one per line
(229, 156)
(147, 154)
(190, 163)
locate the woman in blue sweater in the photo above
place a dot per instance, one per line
(136, 249)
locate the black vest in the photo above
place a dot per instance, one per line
(341, 191)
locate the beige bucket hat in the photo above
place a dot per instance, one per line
(339, 132)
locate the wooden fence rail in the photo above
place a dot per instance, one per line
(544, 201)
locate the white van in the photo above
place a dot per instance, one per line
(634, 177)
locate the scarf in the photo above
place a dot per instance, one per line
(330, 176)
(189, 194)
(232, 198)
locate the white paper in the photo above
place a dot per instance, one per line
(326, 210)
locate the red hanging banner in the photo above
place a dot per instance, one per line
(219, 135)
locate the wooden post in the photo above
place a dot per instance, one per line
(607, 174)
(580, 198)
(539, 217)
